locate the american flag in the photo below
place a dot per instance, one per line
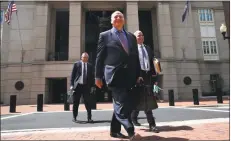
(186, 10)
(10, 9)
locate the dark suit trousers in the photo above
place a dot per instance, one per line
(81, 90)
(147, 81)
(122, 111)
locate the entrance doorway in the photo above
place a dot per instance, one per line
(96, 22)
(57, 87)
(61, 35)
(145, 25)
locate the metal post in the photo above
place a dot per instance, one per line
(13, 99)
(195, 97)
(40, 102)
(171, 97)
(219, 95)
(66, 104)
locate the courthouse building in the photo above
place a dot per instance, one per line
(40, 46)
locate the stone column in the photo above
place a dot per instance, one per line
(75, 17)
(166, 50)
(164, 30)
(155, 33)
(132, 19)
(41, 31)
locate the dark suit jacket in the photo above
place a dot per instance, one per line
(111, 60)
(77, 72)
(152, 67)
(142, 97)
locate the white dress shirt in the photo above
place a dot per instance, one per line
(146, 59)
(81, 77)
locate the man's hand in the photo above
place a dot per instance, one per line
(139, 79)
(98, 83)
(71, 88)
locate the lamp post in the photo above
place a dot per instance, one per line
(223, 30)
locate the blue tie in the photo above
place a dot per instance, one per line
(144, 56)
(123, 41)
(84, 74)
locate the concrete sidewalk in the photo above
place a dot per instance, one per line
(100, 106)
(208, 131)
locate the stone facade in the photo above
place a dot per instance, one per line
(32, 31)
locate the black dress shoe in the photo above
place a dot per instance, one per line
(154, 129)
(134, 136)
(136, 123)
(74, 120)
(118, 135)
(90, 121)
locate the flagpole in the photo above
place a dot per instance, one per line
(186, 33)
(22, 50)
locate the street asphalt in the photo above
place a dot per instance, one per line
(103, 118)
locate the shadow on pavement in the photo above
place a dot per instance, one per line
(142, 118)
(171, 128)
(95, 121)
(154, 138)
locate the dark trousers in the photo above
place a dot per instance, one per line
(122, 111)
(149, 116)
(147, 81)
(81, 90)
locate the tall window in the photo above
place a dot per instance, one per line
(208, 34)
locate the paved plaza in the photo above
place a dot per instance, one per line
(175, 123)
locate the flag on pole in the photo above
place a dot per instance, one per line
(186, 10)
(10, 9)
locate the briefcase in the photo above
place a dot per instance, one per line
(157, 65)
(70, 96)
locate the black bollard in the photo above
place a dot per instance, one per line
(13, 99)
(171, 97)
(66, 104)
(219, 95)
(195, 97)
(40, 102)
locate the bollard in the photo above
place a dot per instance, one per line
(66, 104)
(219, 95)
(171, 97)
(195, 97)
(13, 99)
(40, 102)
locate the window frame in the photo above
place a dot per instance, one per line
(206, 21)
(209, 45)
(208, 56)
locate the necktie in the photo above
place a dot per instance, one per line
(144, 57)
(123, 41)
(84, 74)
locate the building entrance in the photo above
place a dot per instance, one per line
(57, 87)
(96, 22)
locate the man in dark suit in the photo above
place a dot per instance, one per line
(81, 81)
(117, 60)
(144, 95)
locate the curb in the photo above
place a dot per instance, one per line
(216, 105)
(191, 106)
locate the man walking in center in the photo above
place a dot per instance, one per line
(117, 60)
(143, 95)
(81, 81)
